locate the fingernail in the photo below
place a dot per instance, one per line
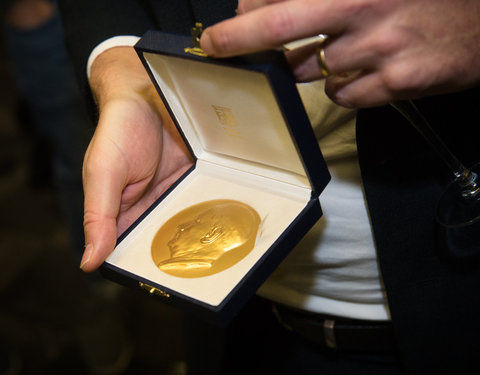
(87, 254)
(206, 43)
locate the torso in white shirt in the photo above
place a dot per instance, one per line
(334, 269)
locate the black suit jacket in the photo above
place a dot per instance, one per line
(88, 23)
(432, 288)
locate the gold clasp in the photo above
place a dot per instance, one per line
(196, 33)
(153, 291)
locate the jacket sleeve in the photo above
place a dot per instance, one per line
(87, 23)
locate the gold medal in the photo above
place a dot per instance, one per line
(205, 238)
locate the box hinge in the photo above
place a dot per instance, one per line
(153, 291)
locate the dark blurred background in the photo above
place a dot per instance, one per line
(53, 318)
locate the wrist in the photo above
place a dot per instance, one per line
(118, 73)
(114, 41)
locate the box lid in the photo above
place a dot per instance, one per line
(243, 112)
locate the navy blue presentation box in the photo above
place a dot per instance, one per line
(251, 140)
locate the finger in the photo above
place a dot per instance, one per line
(304, 63)
(365, 50)
(342, 55)
(100, 235)
(358, 90)
(102, 188)
(272, 26)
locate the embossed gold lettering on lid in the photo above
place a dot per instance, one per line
(205, 238)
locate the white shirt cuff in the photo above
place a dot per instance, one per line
(116, 41)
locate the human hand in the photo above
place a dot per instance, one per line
(135, 154)
(377, 50)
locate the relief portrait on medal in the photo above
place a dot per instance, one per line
(205, 238)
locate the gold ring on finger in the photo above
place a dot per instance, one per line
(321, 61)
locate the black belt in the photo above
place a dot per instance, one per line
(350, 335)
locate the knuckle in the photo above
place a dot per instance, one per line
(89, 217)
(398, 79)
(278, 26)
(346, 102)
(361, 9)
(88, 168)
(338, 96)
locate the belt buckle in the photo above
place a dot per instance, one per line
(329, 333)
(328, 328)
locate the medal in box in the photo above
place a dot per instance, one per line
(210, 241)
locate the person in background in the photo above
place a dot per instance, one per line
(53, 111)
(51, 104)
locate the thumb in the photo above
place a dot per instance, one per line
(102, 189)
(100, 239)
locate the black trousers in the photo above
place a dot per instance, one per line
(256, 343)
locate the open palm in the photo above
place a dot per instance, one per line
(134, 156)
